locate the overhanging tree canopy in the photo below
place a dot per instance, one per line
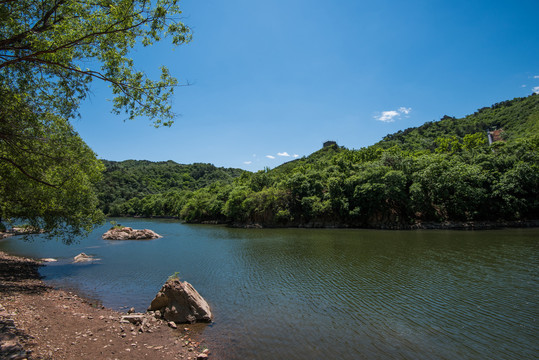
(46, 171)
(52, 49)
(50, 52)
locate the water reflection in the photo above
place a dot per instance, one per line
(314, 294)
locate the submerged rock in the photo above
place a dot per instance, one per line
(127, 233)
(22, 230)
(179, 302)
(82, 257)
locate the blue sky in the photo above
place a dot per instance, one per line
(275, 79)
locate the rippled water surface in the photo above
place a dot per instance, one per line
(324, 294)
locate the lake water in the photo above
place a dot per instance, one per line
(325, 294)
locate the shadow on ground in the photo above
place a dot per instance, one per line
(17, 276)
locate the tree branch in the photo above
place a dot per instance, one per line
(70, 44)
(20, 168)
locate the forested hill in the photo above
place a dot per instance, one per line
(513, 119)
(517, 118)
(438, 172)
(130, 179)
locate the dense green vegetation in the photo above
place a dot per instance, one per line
(46, 171)
(148, 188)
(50, 52)
(440, 171)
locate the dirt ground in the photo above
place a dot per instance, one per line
(39, 322)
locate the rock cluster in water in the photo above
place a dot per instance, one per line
(28, 230)
(179, 302)
(127, 233)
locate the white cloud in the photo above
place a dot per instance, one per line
(523, 86)
(387, 116)
(295, 156)
(536, 77)
(270, 156)
(392, 115)
(536, 89)
(404, 110)
(247, 162)
(283, 154)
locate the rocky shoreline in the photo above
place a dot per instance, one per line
(419, 225)
(448, 225)
(19, 231)
(40, 322)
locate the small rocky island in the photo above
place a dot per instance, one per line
(127, 233)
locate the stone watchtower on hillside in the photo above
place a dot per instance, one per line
(330, 143)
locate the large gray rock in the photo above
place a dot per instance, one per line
(127, 233)
(179, 302)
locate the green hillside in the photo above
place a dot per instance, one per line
(137, 179)
(440, 171)
(518, 118)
